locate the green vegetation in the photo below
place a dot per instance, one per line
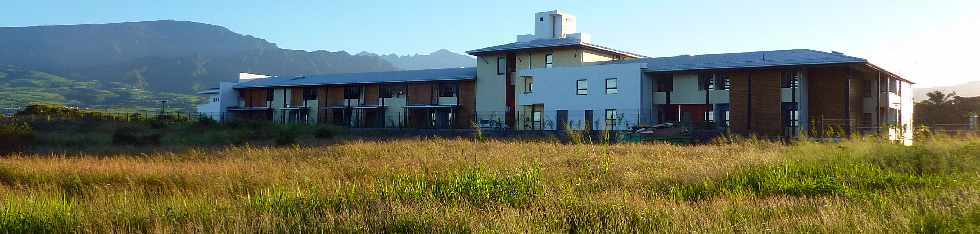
(462, 185)
(21, 87)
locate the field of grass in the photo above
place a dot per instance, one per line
(462, 185)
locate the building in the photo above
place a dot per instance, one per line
(558, 78)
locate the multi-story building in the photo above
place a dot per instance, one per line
(558, 78)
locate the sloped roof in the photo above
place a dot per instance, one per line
(447, 74)
(550, 43)
(743, 60)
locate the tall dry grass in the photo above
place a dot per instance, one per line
(458, 185)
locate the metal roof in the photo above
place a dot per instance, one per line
(550, 43)
(447, 74)
(743, 60)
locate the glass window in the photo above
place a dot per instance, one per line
(501, 65)
(392, 91)
(528, 85)
(791, 79)
(611, 118)
(866, 88)
(352, 93)
(447, 90)
(536, 119)
(728, 118)
(611, 86)
(582, 87)
(309, 94)
(724, 82)
(707, 81)
(665, 84)
(549, 60)
(268, 95)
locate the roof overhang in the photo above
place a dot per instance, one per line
(778, 66)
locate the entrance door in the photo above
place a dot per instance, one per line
(588, 120)
(562, 116)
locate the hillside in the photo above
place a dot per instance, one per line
(171, 56)
(438, 59)
(158, 57)
(22, 87)
(970, 89)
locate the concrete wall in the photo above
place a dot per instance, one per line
(557, 91)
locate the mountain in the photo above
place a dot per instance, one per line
(969, 89)
(439, 59)
(163, 56)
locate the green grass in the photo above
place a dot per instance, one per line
(460, 185)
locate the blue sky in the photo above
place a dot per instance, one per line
(926, 41)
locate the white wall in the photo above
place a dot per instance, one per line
(555, 89)
(227, 97)
(686, 91)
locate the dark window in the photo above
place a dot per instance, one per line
(501, 65)
(611, 118)
(791, 114)
(528, 85)
(612, 86)
(723, 82)
(268, 95)
(352, 93)
(665, 84)
(582, 87)
(791, 79)
(392, 91)
(706, 82)
(309, 94)
(540, 18)
(447, 90)
(549, 60)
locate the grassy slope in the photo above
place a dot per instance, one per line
(461, 185)
(21, 87)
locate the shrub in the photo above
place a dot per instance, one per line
(15, 136)
(135, 136)
(324, 132)
(286, 135)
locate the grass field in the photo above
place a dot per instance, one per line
(460, 185)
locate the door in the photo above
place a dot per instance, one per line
(588, 120)
(562, 116)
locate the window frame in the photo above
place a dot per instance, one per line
(579, 90)
(352, 91)
(791, 79)
(610, 117)
(451, 87)
(501, 65)
(528, 84)
(549, 60)
(309, 94)
(615, 88)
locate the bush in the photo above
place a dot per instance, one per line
(135, 136)
(286, 135)
(15, 136)
(324, 132)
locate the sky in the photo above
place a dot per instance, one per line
(931, 43)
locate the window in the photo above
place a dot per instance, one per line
(791, 79)
(447, 90)
(706, 82)
(501, 65)
(709, 116)
(723, 83)
(549, 60)
(611, 118)
(866, 88)
(528, 85)
(352, 93)
(309, 94)
(215, 99)
(665, 84)
(268, 95)
(791, 114)
(611, 86)
(582, 87)
(540, 18)
(727, 115)
(392, 91)
(535, 119)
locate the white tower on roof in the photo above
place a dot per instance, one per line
(554, 24)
